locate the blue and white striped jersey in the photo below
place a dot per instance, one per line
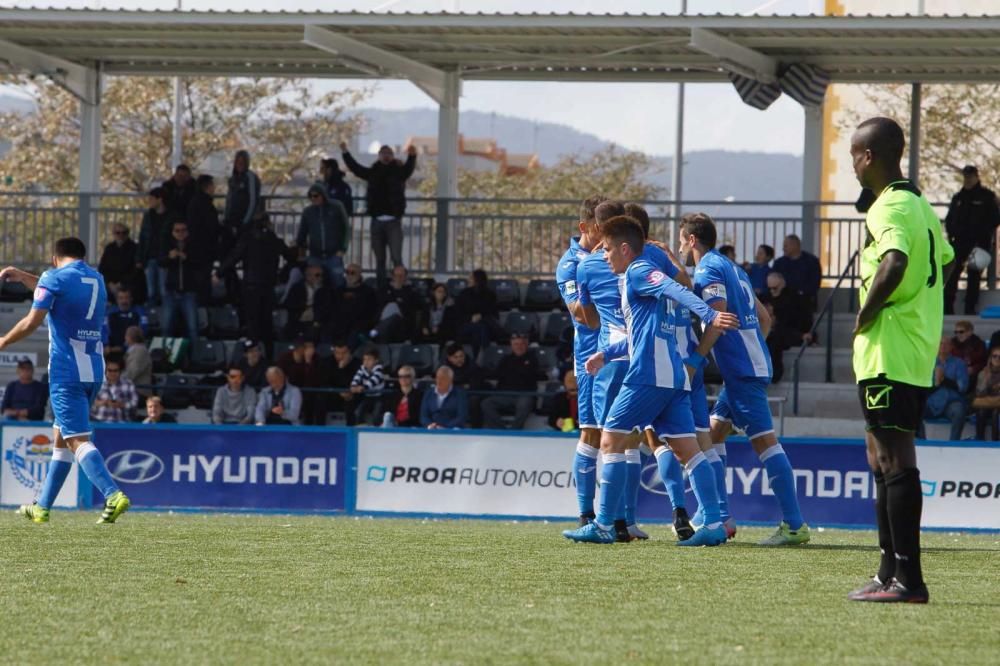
(75, 297)
(584, 338)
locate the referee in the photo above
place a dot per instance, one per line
(904, 267)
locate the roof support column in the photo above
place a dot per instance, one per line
(90, 163)
(915, 101)
(812, 175)
(447, 171)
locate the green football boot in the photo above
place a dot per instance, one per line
(786, 536)
(34, 513)
(114, 506)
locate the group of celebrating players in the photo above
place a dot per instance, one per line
(640, 373)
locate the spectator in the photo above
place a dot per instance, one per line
(367, 385)
(119, 261)
(157, 222)
(801, 269)
(302, 367)
(356, 308)
(947, 397)
(122, 317)
(337, 188)
(279, 403)
(24, 398)
(970, 348)
(400, 309)
(259, 250)
(445, 406)
(252, 365)
(403, 405)
(791, 322)
(183, 263)
(564, 405)
(987, 401)
(517, 372)
(760, 269)
(179, 190)
(439, 319)
(386, 199)
(235, 402)
(971, 222)
(338, 373)
(203, 219)
(477, 312)
(242, 195)
(116, 399)
(729, 252)
(310, 306)
(469, 377)
(138, 363)
(324, 231)
(155, 413)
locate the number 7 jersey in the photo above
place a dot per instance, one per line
(75, 297)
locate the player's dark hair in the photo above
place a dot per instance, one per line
(624, 229)
(884, 138)
(701, 226)
(768, 250)
(608, 209)
(70, 247)
(589, 205)
(639, 214)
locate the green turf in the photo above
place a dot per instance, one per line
(197, 589)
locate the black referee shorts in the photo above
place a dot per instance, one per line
(887, 403)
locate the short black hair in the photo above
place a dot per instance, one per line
(608, 209)
(453, 348)
(70, 247)
(158, 193)
(701, 226)
(235, 367)
(176, 222)
(340, 343)
(884, 138)
(625, 229)
(639, 214)
(589, 205)
(204, 180)
(183, 167)
(371, 351)
(726, 249)
(768, 250)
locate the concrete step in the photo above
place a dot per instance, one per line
(821, 400)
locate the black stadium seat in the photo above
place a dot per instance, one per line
(489, 357)
(153, 326)
(279, 319)
(542, 295)
(555, 325)
(176, 392)
(421, 357)
(521, 322)
(508, 293)
(547, 361)
(224, 322)
(455, 286)
(207, 355)
(202, 321)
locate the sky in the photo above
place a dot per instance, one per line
(716, 118)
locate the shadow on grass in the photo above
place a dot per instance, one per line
(857, 547)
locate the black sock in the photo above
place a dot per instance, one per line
(905, 500)
(887, 563)
(621, 527)
(680, 513)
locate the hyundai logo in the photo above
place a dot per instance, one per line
(134, 466)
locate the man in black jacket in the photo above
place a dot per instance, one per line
(323, 233)
(119, 262)
(386, 199)
(971, 222)
(179, 190)
(242, 194)
(184, 263)
(468, 376)
(791, 322)
(356, 308)
(517, 371)
(157, 223)
(310, 306)
(203, 219)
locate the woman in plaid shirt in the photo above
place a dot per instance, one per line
(117, 398)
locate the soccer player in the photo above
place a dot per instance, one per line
(746, 371)
(71, 297)
(903, 269)
(584, 344)
(655, 387)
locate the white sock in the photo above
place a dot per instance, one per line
(587, 450)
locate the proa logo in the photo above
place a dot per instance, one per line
(28, 459)
(134, 466)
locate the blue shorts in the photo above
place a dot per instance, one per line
(699, 402)
(585, 400)
(607, 384)
(71, 406)
(667, 410)
(744, 404)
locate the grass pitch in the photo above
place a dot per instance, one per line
(198, 589)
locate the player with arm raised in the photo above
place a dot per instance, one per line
(745, 365)
(71, 297)
(655, 388)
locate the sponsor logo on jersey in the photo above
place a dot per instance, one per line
(656, 277)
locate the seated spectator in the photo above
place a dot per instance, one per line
(116, 399)
(564, 406)
(469, 377)
(517, 372)
(119, 262)
(438, 324)
(356, 307)
(157, 222)
(337, 372)
(791, 322)
(310, 306)
(477, 312)
(302, 367)
(182, 261)
(138, 363)
(729, 252)
(801, 270)
(234, 403)
(155, 413)
(252, 365)
(403, 405)
(760, 269)
(947, 397)
(987, 400)
(445, 405)
(366, 387)
(970, 348)
(120, 318)
(279, 403)
(402, 309)
(24, 398)
(324, 231)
